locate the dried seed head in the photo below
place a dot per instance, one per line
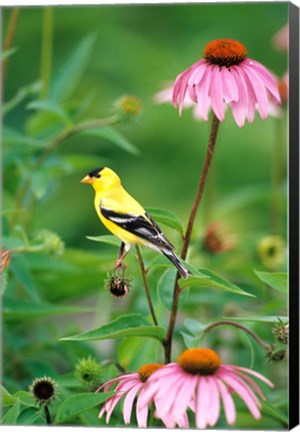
(118, 284)
(44, 390)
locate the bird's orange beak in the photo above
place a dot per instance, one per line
(87, 179)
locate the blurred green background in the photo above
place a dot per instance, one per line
(137, 50)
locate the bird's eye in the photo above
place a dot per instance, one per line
(97, 175)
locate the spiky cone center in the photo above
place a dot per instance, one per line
(225, 52)
(199, 361)
(147, 370)
(43, 390)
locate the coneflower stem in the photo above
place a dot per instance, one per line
(263, 344)
(146, 284)
(9, 38)
(47, 414)
(187, 237)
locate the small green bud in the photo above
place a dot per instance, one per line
(89, 372)
(128, 107)
(44, 390)
(52, 243)
(271, 251)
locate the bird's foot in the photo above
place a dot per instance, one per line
(119, 264)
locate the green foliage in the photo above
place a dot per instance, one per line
(54, 295)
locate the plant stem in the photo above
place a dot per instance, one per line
(47, 414)
(263, 344)
(9, 38)
(46, 52)
(187, 237)
(146, 284)
(64, 135)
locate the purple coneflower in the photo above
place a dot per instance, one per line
(130, 385)
(226, 76)
(200, 381)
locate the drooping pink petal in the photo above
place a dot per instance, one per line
(197, 74)
(110, 406)
(247, 379)
(192, 95)
(251, 99)
(239, 107)
(241, 382)
(243, 392)
(201, 402)
(128, 402)
(141, 414)
(216, 94)
(267, 78)
(184, 421)
(184, 395)
(202, 91)
(108, 384)
(230, 88)
(254, 373)
(167, 394)
(229, 407)
(214, 409)
(259, 90)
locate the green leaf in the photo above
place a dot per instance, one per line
(12, 137)
(125, 325)
(278, 281)
(166, 217)
(15, 309)
(12, 414)
(193, 326)
(22, 273)
(7, 53)
(31, 415)
(114, 137)
(72, 71)
(78, 404)
(52, 107)
(211, 280)
(165, 289)
(275, 413)
(263, 319)
(107, 239)
(7, 399)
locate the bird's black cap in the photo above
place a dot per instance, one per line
(95, 172)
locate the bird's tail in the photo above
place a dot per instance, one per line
(177, 262)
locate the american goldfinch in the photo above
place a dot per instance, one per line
(126, 219)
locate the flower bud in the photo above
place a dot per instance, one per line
(281, 332)
(128, 107)
(216, 239)
(52, 243)
(271, 250)
(276, 355)
(44, 390)
(117, 284)
(4, 259)
(89, 372)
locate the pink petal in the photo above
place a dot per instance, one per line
(266, 77)
(201, 402)
(128, 402)
(243, 392)
(251, 99)
(239, 107)
(229, 407)
(141, 414)
(247, 379)
(254, 373)
(110, 405)
(197, 74)
(214, 409)
(216, 93)
(184, 395)
(259, 90)
(230, 89)
(203, 94)
(106, 386)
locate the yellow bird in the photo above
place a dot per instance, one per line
(126, 219)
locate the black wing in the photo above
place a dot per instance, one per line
(142, 226)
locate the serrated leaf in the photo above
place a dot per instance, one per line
(70, 74)
(166, 217)
(126, 325)
(263, 319)
(211, 280)
(12, 414)
(107, 239)
(165, 288)
(278, 281)
(114, 137)
(15, 309)
(78, 404)
(52, 107)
